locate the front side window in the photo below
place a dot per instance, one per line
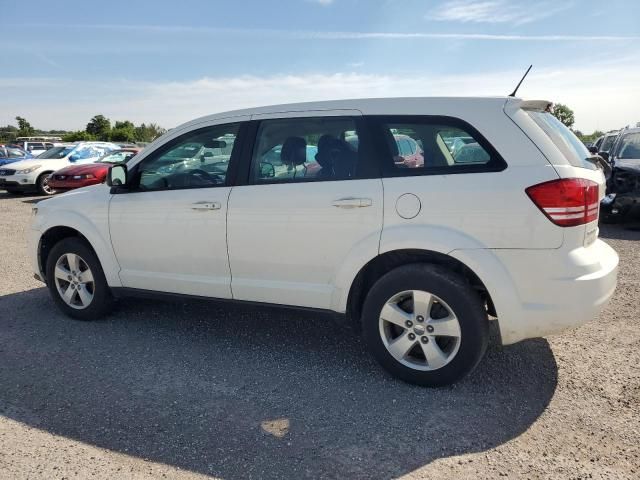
(425, 145)
(305, 149)
(608, 143)
(197, 159)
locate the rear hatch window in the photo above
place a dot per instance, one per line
(571, 147)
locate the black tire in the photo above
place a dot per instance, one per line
(42, 185)
(463, 300)
(102, 302)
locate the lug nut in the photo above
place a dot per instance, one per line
(412, 336)
(425, 339)
(70, 277)
(420, 318)
(430, 328)
(409, 323)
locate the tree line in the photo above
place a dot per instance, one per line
(98, 128)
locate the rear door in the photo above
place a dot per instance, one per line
(297, 218)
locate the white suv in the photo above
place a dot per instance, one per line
(33, 174)
(422, 254)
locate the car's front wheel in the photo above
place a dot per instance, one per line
(76, 280)
(425, 324)
(42, 184)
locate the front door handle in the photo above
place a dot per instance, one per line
(206, 206)
(352, 202)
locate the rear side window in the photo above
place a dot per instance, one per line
(308, 149)
(433, 145)
(569, 145)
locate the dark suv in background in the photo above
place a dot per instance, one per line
(623, 185)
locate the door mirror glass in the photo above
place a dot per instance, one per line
(117, 176)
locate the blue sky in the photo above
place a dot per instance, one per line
(168, 62)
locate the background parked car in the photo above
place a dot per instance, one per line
(10, 154)
(35, 148)
(623, 185)
(76, 176)
(33, 174)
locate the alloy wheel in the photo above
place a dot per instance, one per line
(419, 330)
(74, 281)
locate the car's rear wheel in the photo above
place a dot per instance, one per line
(425, 324)
(76, 280)
(43, 185)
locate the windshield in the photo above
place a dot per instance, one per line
(117, 157)
(56, 153)
(571, 147)
(608, 143)
(629, 146)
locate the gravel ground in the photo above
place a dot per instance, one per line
(200, 390)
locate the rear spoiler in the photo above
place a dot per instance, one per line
(536, 105)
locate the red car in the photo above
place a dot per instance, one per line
(76, 176)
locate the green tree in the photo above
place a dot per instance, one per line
(148, 133)
(100, 127)
(123, 132)
(24, 128)
(78, 136)
(564, 114)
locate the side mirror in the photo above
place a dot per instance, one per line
(593, 149)
(73, 158)
(604, 155)
(117, 176)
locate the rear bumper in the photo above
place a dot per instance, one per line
(544, 292)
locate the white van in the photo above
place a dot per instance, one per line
(422, 254)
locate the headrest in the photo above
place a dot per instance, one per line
(294, 151)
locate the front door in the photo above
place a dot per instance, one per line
(169, 231)
(312, 201)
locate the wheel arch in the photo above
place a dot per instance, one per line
(385, 262)
(51, 237)
(73, 225)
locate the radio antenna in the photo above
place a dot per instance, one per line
(513, 94)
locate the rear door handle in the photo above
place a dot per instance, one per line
(352, 202)
(206, 206)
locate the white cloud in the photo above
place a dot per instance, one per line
(182, 30)
(496, 11)
(602, 98)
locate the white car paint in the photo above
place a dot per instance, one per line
(288, 243)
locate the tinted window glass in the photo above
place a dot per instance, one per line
(607, 143)
(197, 159)
(305, 149)
(629, 146)
(432, 144)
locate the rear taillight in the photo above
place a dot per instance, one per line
(568, 201)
